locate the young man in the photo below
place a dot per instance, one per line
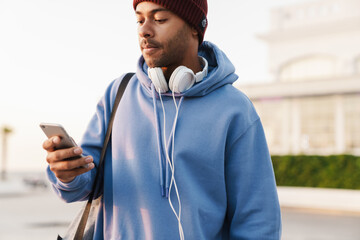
(188, 156)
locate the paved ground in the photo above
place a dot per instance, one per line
(309, 225)
(39, 215)
(320, 199)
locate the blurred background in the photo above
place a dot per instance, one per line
(297, 60)
(312, 103)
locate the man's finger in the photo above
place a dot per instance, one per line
(69, 175)
(67, 164)
(75, 164)
(64, 154)
(51, 143)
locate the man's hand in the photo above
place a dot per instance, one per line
(64, 169)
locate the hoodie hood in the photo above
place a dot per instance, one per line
(220, 72)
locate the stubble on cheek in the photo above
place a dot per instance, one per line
(171, 52)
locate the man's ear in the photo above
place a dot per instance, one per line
(194, 32)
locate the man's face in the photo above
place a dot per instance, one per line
(163, 36)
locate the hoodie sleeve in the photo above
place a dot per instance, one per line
(253, 206)
(92, 142)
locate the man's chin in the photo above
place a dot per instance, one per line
(151, 63)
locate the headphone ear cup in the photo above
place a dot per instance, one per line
(181, 79)
(157, 77)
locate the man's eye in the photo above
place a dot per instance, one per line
(160, 20)
(139, 22)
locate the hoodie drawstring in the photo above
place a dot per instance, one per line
(159, 143)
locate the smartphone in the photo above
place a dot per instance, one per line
(54, 129)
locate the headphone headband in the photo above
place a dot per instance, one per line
(199, 76)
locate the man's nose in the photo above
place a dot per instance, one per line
(145, 30)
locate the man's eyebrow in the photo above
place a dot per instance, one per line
(154, 11)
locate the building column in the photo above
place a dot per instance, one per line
(339, 125)
(286, 135)
(295, 126)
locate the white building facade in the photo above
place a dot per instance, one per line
(313, 104)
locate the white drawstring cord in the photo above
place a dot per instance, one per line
(172, 166)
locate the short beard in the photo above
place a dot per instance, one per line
(174, 50)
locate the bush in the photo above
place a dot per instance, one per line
(335, 171)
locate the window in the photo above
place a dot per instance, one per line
(273, 115)
(308, 68)
(314, 127)
(317, 124)
(352, 122)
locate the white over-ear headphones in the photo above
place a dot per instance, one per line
(180, 80)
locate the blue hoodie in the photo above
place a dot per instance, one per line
(222, 167)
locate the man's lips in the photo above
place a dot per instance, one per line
(148, 48)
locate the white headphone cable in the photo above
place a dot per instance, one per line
(172, 167)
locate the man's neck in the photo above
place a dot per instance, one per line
(194, 65)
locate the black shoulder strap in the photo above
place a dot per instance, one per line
(82, 224)
(118, 97)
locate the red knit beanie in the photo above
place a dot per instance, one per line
(192, 11)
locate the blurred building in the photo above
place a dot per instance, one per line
(313, 105)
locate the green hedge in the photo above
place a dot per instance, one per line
(335, 171)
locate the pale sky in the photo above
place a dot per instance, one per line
(57, 58)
